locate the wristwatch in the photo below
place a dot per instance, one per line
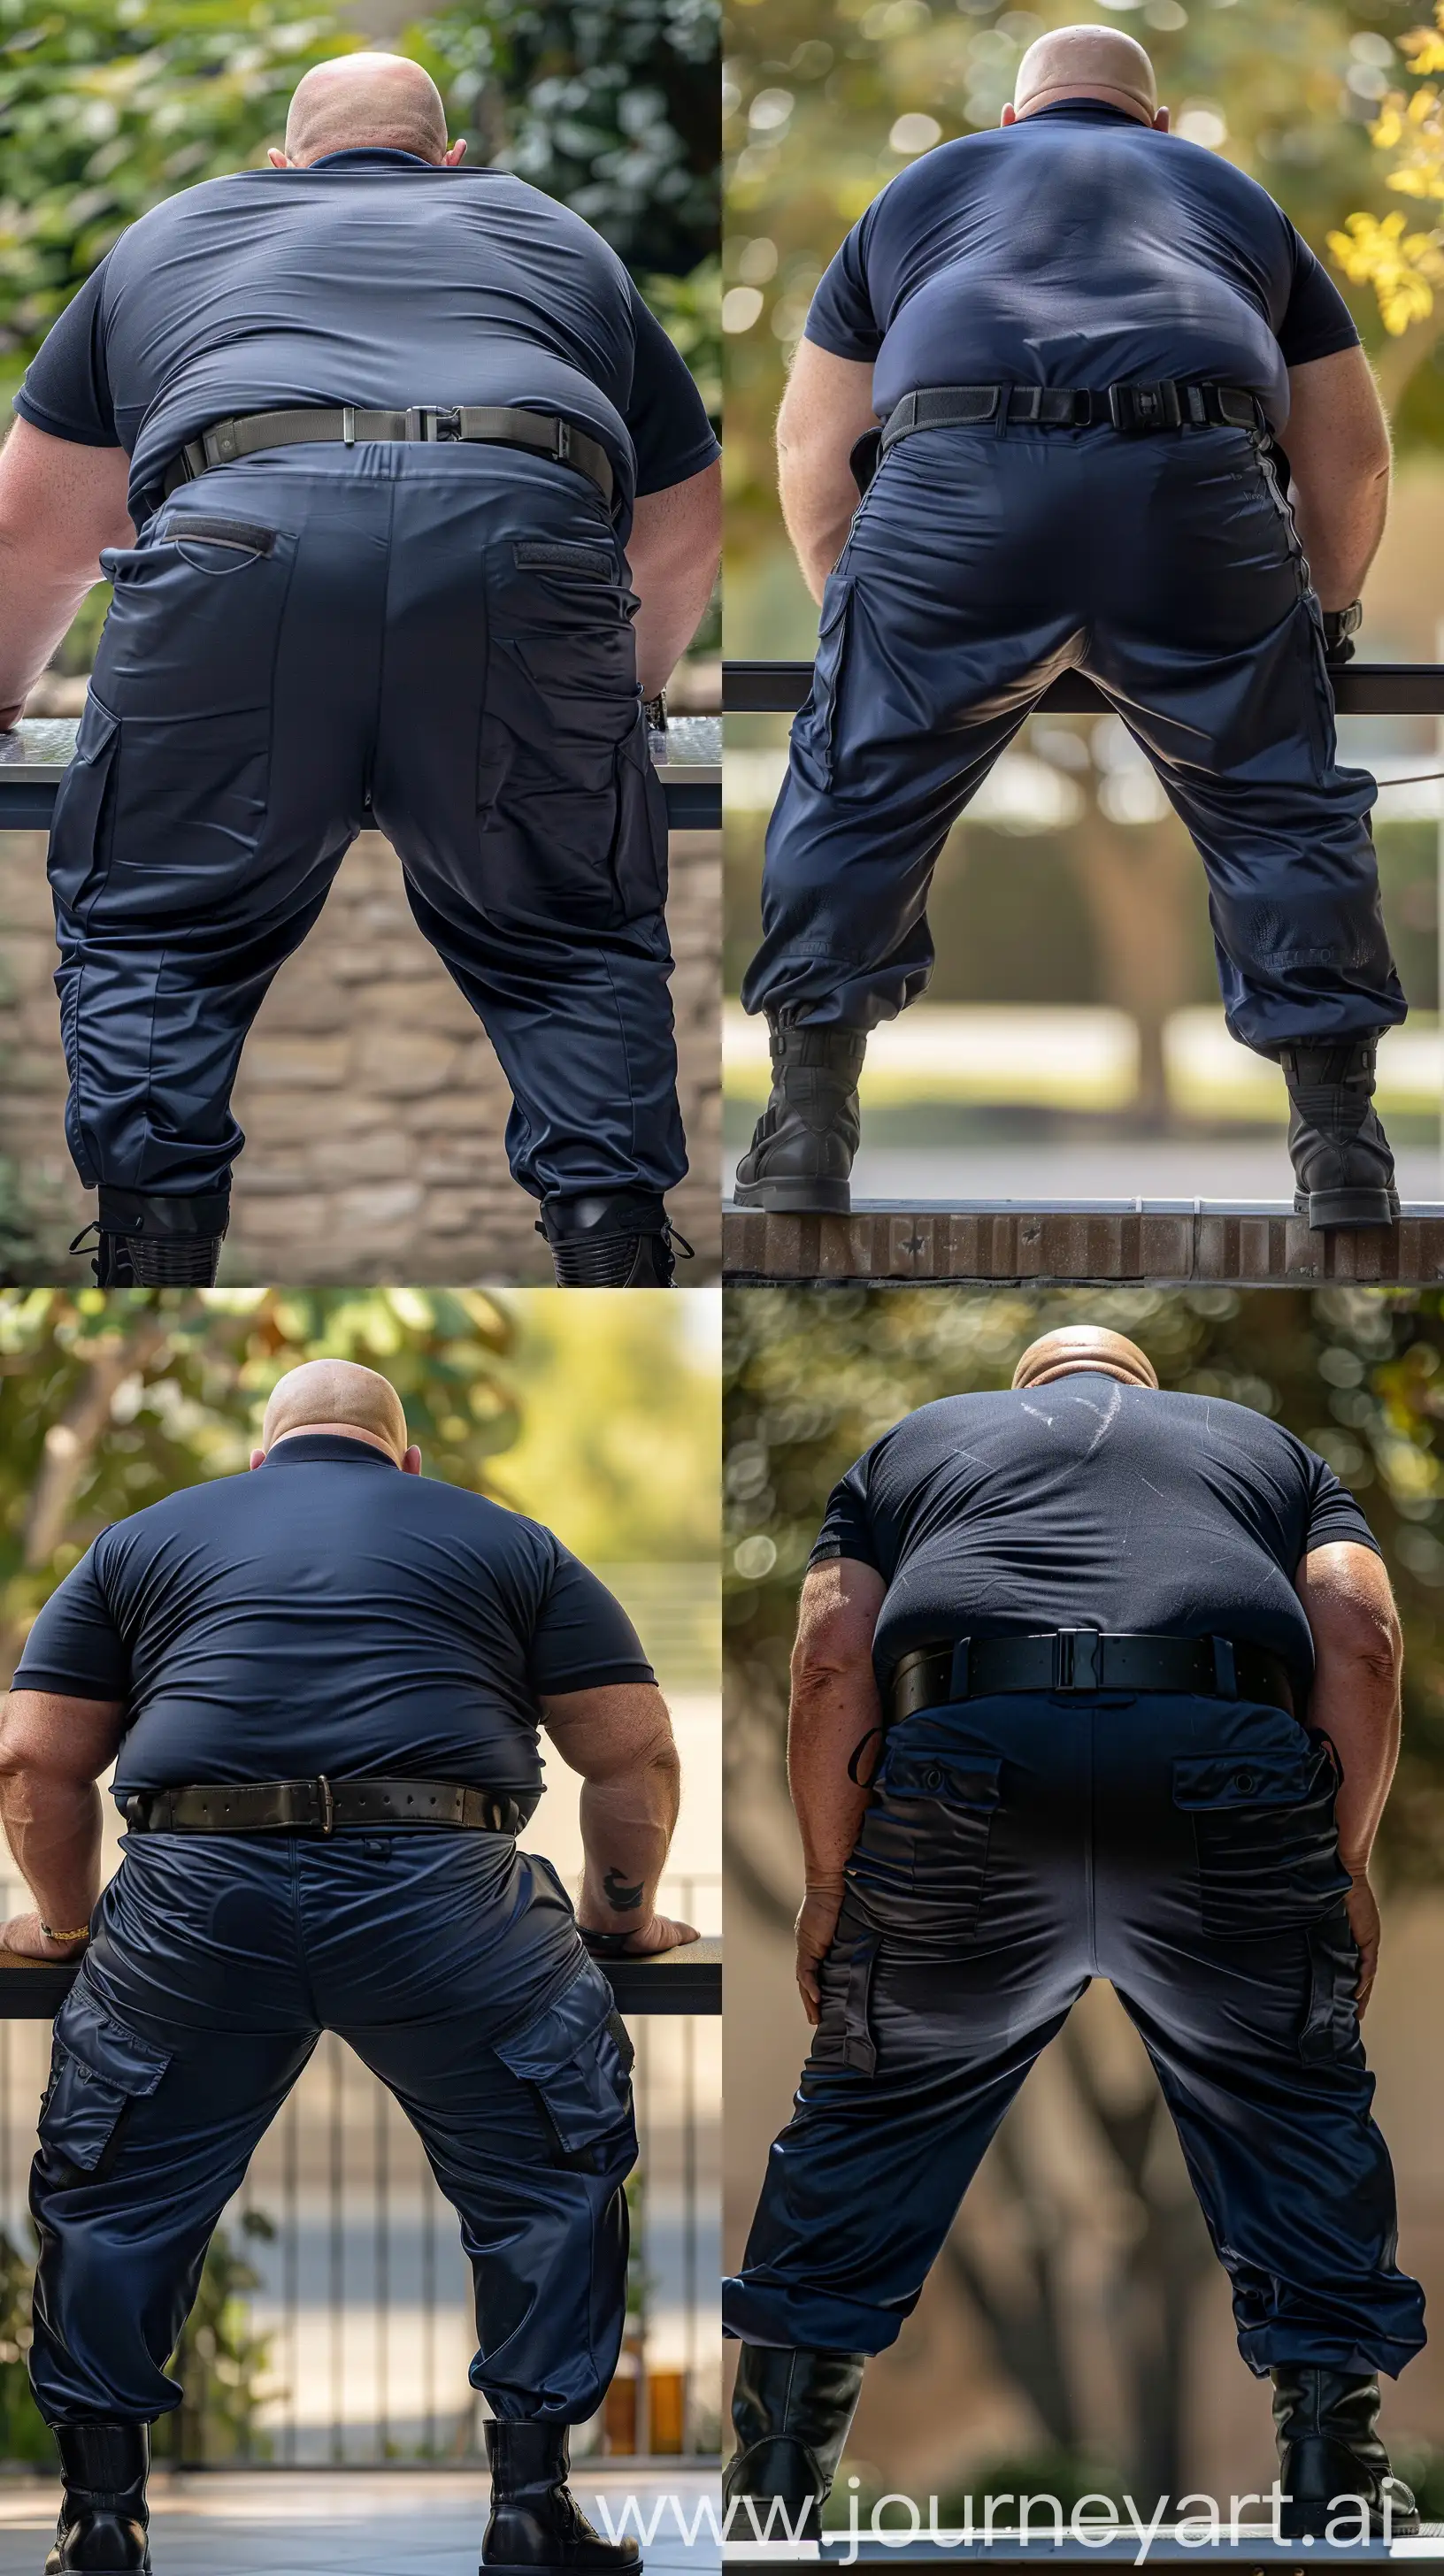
(1340, 626)
(606, 1945)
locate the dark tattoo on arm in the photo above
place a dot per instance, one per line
(623, 1898)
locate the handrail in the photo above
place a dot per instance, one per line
(1360, 689)
(680, 1981)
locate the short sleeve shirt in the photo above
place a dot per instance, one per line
(1089, 1504)
(329, 1614)
(370, 278)
(1077, 247)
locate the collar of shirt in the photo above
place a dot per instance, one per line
(1084, 107)
(388, 154)
(327, 1449)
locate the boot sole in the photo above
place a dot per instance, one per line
(1339, 1210)
(795, 1198)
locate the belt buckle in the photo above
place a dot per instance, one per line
(325, 1801)
(1144, 407)
(445, 424)
(563, 448)
(1077, 1659)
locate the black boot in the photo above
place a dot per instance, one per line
(149, 1242)
(535, 2521)
(102, 2526)
(799, 1162)
(790, 2412)
(620, 1241)
(1329, 2450)
(1341, 1157)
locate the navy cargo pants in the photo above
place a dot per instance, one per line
(1016, 1848)
(450, 1962)
(432, 639)
(1166, 567)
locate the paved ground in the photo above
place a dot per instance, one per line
(362, 2522)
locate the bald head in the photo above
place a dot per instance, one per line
(361, 99)
(1083, 1349)
(1085, 62)
(336, 1395)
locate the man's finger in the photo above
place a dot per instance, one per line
(673, 1936)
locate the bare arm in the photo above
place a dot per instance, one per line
(59, 504)
(620, 1740)
(1358, 1660)
(52, 1752)
(834, 1704)
(1338, 448)
(673, 552)
(825, 410)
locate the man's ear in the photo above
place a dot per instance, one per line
(457, 153)
(411, 1463)
(258, 1457)
(1009, 115)
(278, 160)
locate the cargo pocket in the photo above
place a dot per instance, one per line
(814, 734)
(919, 1869)
(98, 2070)
(80, 831)
(564, 786)
(576, 2058)
(843, 2036)
(1264, 1834)
(1330, 2025)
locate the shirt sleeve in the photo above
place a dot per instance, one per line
(75, 1648)
(66, 391)
(1316, 319)
(841, 317)
(583, 1639)
(1333, 1513)
(847, 1522)
(666, 417)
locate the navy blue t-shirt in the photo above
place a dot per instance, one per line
(370, 278)
(1077, 247)
(329, 1614)
(1089, 1504)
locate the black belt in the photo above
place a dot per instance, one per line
(318, 1806)
(1132, 408)
(485, 424)
(1082, 1659)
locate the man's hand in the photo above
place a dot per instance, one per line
(658, 1933)
(24, 1937)
(1363, 1913)
(10, 717)
(816, 1925)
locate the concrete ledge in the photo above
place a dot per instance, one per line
(1158, 1243)
(681, 1981)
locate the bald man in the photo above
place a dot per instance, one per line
(1090, 1681)
(321, 1687)
(424, 505)
(1070, 349)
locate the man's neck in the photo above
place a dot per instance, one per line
(335, 1431)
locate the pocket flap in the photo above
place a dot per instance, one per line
(967, 1780)
(96, 730)
(1286, 1778)
(578, 2056)
(554, 554)
(97, 2067)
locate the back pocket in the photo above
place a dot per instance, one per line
(576, 2058)
(98, 2070)
(1264, 1834)
(919, 1868)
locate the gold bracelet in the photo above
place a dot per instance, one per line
(82, 1935)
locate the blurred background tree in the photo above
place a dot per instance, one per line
(811, 1379)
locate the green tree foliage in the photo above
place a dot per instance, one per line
(812, 1378)
(828, 99)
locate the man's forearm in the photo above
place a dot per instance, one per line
(832, 1710)
(1340, 533)
(818, 513)
(37, 605)
(627, 1823)
(53, 1828)
(1357, 1706)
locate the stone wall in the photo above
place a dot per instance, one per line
(373, 1106)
